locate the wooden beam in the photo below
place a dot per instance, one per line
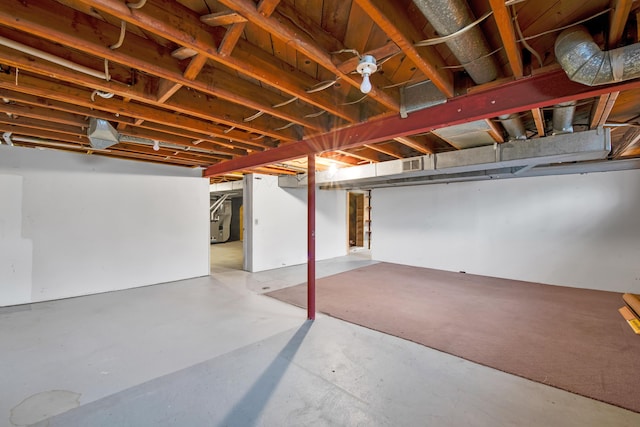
(53, 108)
(494, 131)
(183, 52)
(306, 45)
(31, 123)
(271, 170)
(525, 94)
(167, 88)
(236, 23)
(194, 67)
(169, 151)
(396, 24)
(602, 109)
(386, 149)
(246, 60)
(507, 34)
(44, 134)
(413, 143)
(60, 92)
(343, 159)
(189, 103)
(617, 21)
(36, 112)
(144, 55)
(630, 138)
(267, 7)
(538, 118)
(361, 156)
(304, 23)
(40, 127)
(231, 38)
(113, 153)
(288, 14)
(227, 17)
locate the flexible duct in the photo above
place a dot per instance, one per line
(470, 48)
(563, 117)
(584, 61)
(513, 125)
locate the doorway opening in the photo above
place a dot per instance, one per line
(359, 220)
(226, 231)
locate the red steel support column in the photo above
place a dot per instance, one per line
(311, 238)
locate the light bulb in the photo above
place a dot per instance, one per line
(365, 87)
(156, 145)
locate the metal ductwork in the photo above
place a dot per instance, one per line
(584, 61)
(470, 47)
(513, 125)
(101, 134)
(517, 158)
(563, 117)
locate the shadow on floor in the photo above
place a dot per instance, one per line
(249, 408)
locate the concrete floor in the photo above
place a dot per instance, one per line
(213, 352)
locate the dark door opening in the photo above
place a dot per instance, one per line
(356, 220)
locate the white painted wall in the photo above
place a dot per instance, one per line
(571, 230)
(276, 224)
(73, 224)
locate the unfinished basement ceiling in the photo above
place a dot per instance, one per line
(236, 86)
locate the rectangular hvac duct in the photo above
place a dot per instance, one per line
(463, 159)
(101, 134)
(518, 157)
(573, 147)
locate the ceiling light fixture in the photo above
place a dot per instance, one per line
(366, 67)
(156, 145)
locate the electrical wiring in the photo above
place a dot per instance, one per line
(282, 104)
(285, 126)
(255, 116)
(123, 32)
(322, 85)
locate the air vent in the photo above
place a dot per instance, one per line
(101, 134)
(411, 165)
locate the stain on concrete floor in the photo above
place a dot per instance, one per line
(43, 405)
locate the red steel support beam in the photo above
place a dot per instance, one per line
(536, 91)
(311, 238)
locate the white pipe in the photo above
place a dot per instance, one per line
(51, 58)
(54, 144)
